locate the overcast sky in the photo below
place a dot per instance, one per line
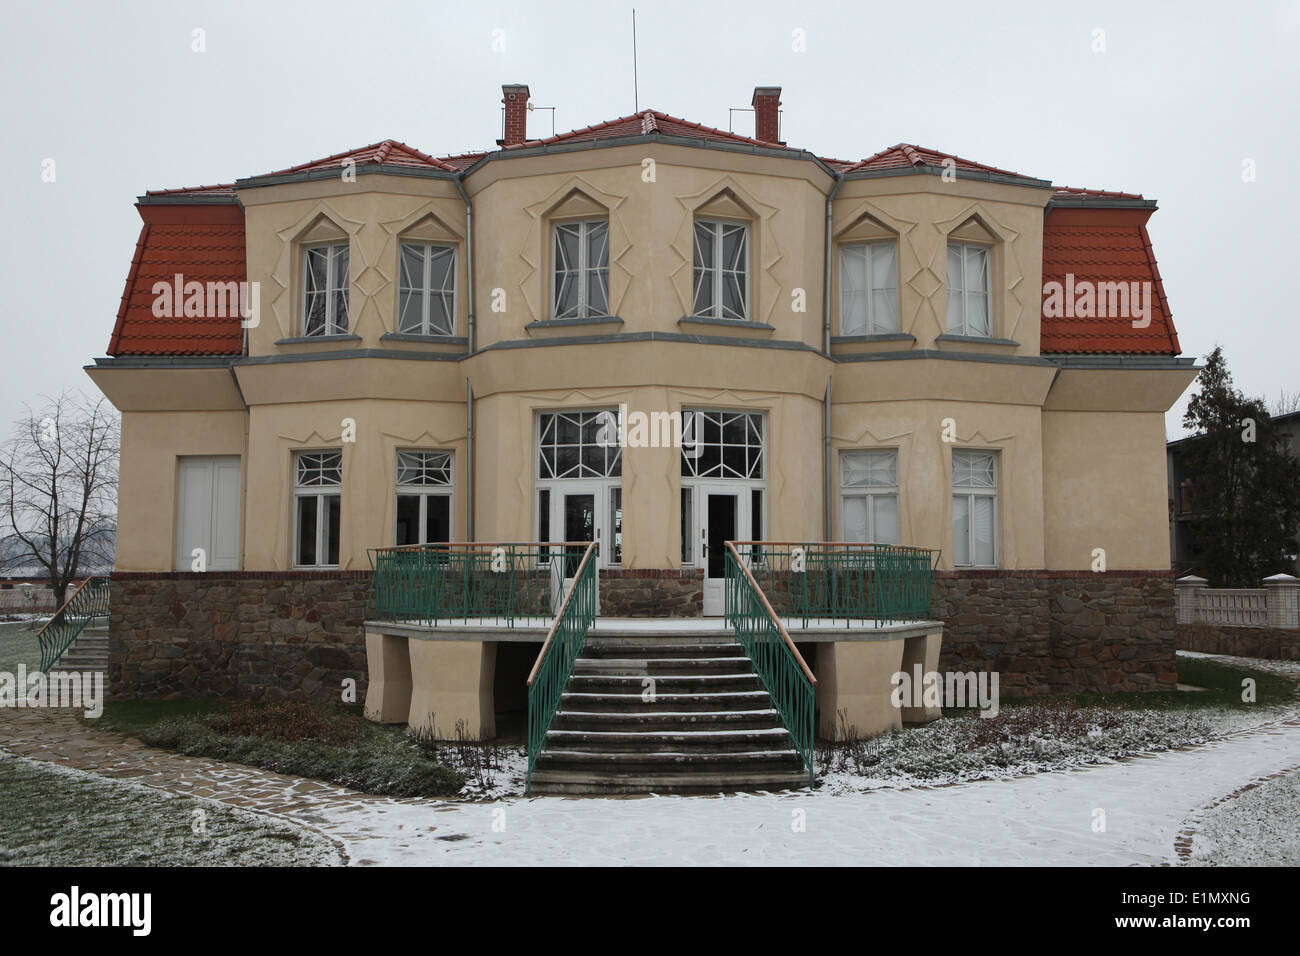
(1183, 94)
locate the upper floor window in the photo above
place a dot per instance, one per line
(424, 485)
(721, 270)
(325, 289)
(318, 483)
(581, 269)
(969, 311)
(974, 508)
(426, 289)
(868, 288)
(869, 496)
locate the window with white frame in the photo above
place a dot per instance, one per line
(718, 444)
(721, 288)
(869, 288)
(424, 484)
(325, 289)
(426, 289)
(318, 483)
(975, 508)
(869, 496)
(969, 309)
(581, 269)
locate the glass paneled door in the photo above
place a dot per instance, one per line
(722, 511)
(578, 511)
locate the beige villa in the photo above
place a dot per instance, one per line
(911, 348)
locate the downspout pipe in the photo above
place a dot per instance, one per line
(826, 282)
(827, 473)
(469, 460)
(469, 258)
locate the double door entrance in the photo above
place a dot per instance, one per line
(713, 513)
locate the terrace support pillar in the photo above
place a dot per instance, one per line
(388, 690)
(451, 689)
(922, 650)
(854, 688)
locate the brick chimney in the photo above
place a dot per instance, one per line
(515, 97)
(767, 114)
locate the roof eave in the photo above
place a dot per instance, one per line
(975, 174)
(362, 169)
(1101, 202)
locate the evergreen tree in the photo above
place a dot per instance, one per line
(1246, 488)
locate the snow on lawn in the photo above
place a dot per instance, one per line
(52, 815)
(1045, 819)
(1259, 826)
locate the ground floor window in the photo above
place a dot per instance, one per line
(869, 496)
(424, 487)
(318, 483)
(974, 508)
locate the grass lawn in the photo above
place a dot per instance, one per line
(52, 816)
(1030, 735)
(18, 645)
(333, 743)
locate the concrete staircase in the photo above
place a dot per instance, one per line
(708, 728)
(88, 654)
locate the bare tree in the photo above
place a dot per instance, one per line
(1286, 402)
(58, 489)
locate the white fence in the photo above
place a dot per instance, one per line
(26, 599)
(1276, 604)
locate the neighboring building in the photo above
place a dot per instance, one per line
(1182, 497)
(865, 347)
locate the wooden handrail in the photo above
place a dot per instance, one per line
(481, 545)
(832, 544)
(64, 606)
(550, 635)
(772, 614)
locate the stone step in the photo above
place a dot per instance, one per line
(631, 702)
(648, 743)
(632, 649)
(659, 666)
(585, 782)
(647, 718)
(668, 762)
(668, 684)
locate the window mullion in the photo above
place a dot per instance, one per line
(426, 293)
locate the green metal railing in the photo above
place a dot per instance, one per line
(777, 661)
(844, 580)
(87, 602)
(559, 653)
(431, 583)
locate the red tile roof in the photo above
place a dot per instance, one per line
(203, 243)
(907, 156)
(1104, 245)
(641, 124)
(388, 152)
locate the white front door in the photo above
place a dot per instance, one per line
(722, 510)
(207, 513)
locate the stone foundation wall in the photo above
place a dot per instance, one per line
(258, 635)
(1061, 631)
(1270, 643)
(651, 592)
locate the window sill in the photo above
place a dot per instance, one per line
(879, 342)
(951, 340)
(421, 337)
(729, 327)
(550, 327)
(313, 339)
